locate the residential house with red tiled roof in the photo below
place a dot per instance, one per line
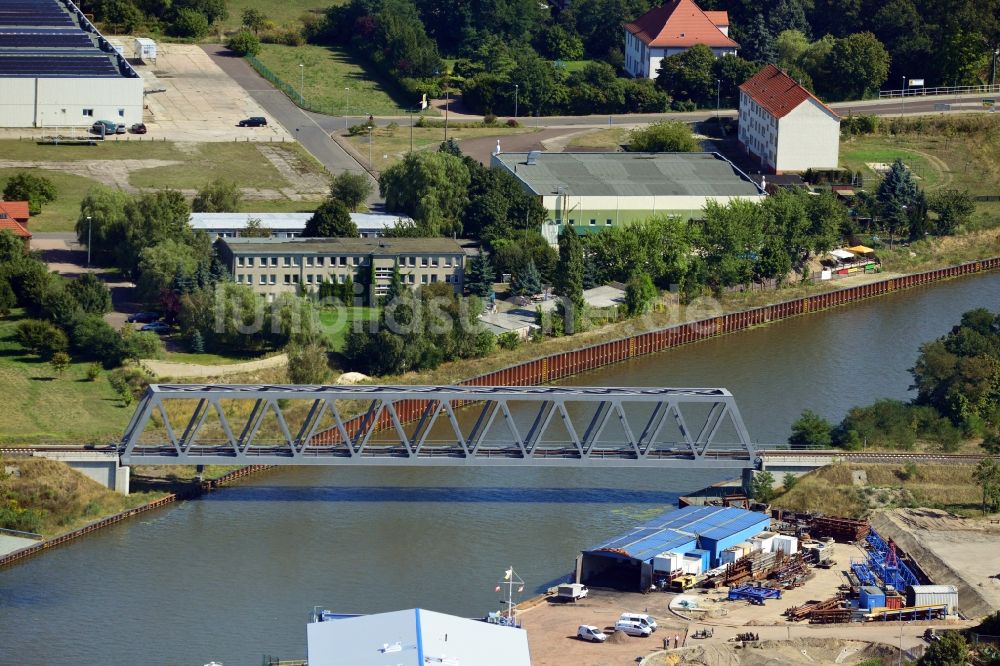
(16, 210)
(784, 126)
(16, 228)
(670, 29)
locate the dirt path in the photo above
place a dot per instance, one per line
(186, 370)
(108, 172)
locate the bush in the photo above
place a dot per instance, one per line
(36, 190)
(94, 338)
(509, 341)
(810, 431)
(307, 364)
(666, 136)
(141, 344)
(285, 36)
(13, 517)
(512, 123)
(92, 295)
(59, 362)
(351, 189)
(858, 125)
(131, 382)
(489, 119)
(42, 338)
(244, 43)
(189, 24)
(93, 372)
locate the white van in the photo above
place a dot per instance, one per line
(639, 618)
(633, 628)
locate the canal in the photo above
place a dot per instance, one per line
(232, 576)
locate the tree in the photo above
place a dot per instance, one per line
(950, 650)
(569, 279)
(479, 278)
(254, 229)
(11, 247)
(757, 42)
(351, 189)
(991, 442)
(94, 338)
(8, 299)
(987, 477)
(244, 43)
(811, 431)
(59, 362)
(307, 364)
(953, 208)
(151, 218)
(860, 65)
(36, 190)
(102, 223)
(254, 19)
(762, 487)
(121, 16)
(789, 47)
(560, 44)
(331, 220)
(731, 72)
(898, 195)
(432, 188)
(90, 293)
(665, 136)
(527, 281)
(498, 207)
(166, 266)
(219, 196)
(212, 10)
(639, 293)
(42, 338)
(190, 24)
(688, 75)
(788, 482)
(731, 240)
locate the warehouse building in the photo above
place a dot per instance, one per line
(414, 637)
(693, 538)
(274, 266)
(287, 225)
(57, 70)
(593, 191)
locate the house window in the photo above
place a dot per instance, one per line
(250, 262)
(274, 278)
(447, 262)
(263, 279)
(434, 277)
(356, 261)
(423, 262)
(593, 222)
(121, 113)
(340, 279)
(295, 278)
(413, 261)
(240, 261)
(309, 261)
(239, 279)
(319, 261)
(434, 262)
(607, 222)
(274, 261)
(89, 113)
(286, 261)
(309, 278)
(288, 278)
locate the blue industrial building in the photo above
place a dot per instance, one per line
(626, 562)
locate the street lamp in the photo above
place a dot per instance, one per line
(347, 112)
(302, 83)
(371, 125)
(89, 228)
(993, 76)
(515, 101)
(718, 92)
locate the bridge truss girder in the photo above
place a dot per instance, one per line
(437, 426)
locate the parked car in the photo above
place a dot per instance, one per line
(253, 121)
(120, 128)
(157, 327)
(139, 128)
(144, 317)
(571, 592)
(105, 127)
(633, 628)
(639, 618)
(587, 632)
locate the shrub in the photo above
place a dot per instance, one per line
(42, 338)
(512, 123)
(190, 24)
(666, 136)
(36, 190)
(93, 372)
(307, 364)
(489, 119)
(244, 43)
(94, 338)
(90, 294)
(131, 382)
(59, 362)
(509, 341)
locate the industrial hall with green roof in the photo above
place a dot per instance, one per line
(593, 191)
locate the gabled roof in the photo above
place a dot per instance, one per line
(679, 23)
(778, 93)
(13, 226)
(719, 18)
(15, 209)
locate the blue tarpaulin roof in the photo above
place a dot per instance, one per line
(679, 530)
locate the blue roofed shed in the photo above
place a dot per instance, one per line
(625, 562)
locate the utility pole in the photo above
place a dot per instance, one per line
(718, 91)
(302, 83)
(90, 226)
(348, 111)
(447, 104)
(993, 75)
(515, 101)
(412, 111)
(371, 125)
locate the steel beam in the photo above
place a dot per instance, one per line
(492, 436)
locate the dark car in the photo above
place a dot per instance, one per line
(253, 121)
(104, 127)
(157, 327)
(138, 128)
(143, 317)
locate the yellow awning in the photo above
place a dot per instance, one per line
(860, 249)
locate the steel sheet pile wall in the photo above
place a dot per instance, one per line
(566, 364)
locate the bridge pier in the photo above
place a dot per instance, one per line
(101, 466)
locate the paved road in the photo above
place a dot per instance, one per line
(299, 124)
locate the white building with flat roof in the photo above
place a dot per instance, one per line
(286, 225)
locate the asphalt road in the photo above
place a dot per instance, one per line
(301, 125)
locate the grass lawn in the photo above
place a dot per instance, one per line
(604, 139)
(573, 65)
(242, 163)
(61, 214)
(14, 149)
(335, 322)
(328, 71)
(42, 406)
(204, 358)
(282, 13)
(389, 147)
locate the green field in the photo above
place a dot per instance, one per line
(328, 71)
(283, 13)
(199, 164)
(42, 406)
(335, 322)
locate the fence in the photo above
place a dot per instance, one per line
(280, 84)
(920, 91)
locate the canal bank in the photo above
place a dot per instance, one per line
(254, 559)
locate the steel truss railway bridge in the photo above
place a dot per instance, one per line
(196, 424)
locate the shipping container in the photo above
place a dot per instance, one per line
(893, 601)
(667, 562)
(932, 595)
(871, 597)
(692, 565)
(786, 544)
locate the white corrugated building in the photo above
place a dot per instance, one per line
(286, 225)
(415, 637)
(57, 70)
(784, 126)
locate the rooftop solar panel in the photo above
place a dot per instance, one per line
(45, 40)
(46, 66)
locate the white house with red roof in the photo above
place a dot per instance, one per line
(784, 126)
(670, 29)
